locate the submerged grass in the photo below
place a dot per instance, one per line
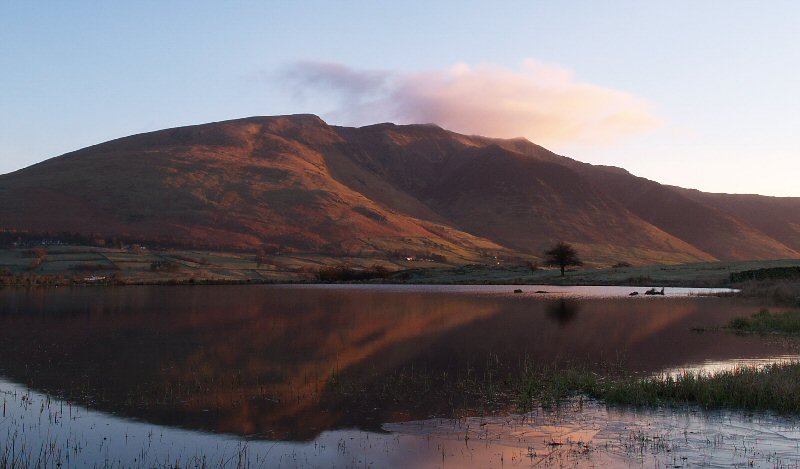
(764, 322)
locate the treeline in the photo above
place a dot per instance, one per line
(28, 239)
(771, 273)
(349, 274)
(23, 239)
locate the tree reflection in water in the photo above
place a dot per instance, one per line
(563, 311)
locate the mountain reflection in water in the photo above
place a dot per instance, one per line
(265, 360)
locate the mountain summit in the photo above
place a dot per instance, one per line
(297, 183)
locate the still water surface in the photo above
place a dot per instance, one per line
(337, 367)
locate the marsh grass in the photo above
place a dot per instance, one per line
(775, 387)
(764, 322)
(780, 292)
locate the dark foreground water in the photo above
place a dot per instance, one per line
(353, 376)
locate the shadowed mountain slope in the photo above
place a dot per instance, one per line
(777, 217)
(294, 182)
(707, 227)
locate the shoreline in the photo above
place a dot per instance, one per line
(74, 265)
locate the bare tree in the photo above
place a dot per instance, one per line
(562, 255)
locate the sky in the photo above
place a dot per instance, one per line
(703, 95)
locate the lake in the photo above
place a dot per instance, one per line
(354, 375)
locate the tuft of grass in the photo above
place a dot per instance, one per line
(550, 387)
(764, 322)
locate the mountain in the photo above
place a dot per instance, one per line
(777, 217)
(297, 183)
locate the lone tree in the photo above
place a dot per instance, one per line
(562, 255)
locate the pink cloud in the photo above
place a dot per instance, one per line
(542, 102)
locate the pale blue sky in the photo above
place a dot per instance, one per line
(721, 78)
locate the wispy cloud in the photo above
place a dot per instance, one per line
(542, 102)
